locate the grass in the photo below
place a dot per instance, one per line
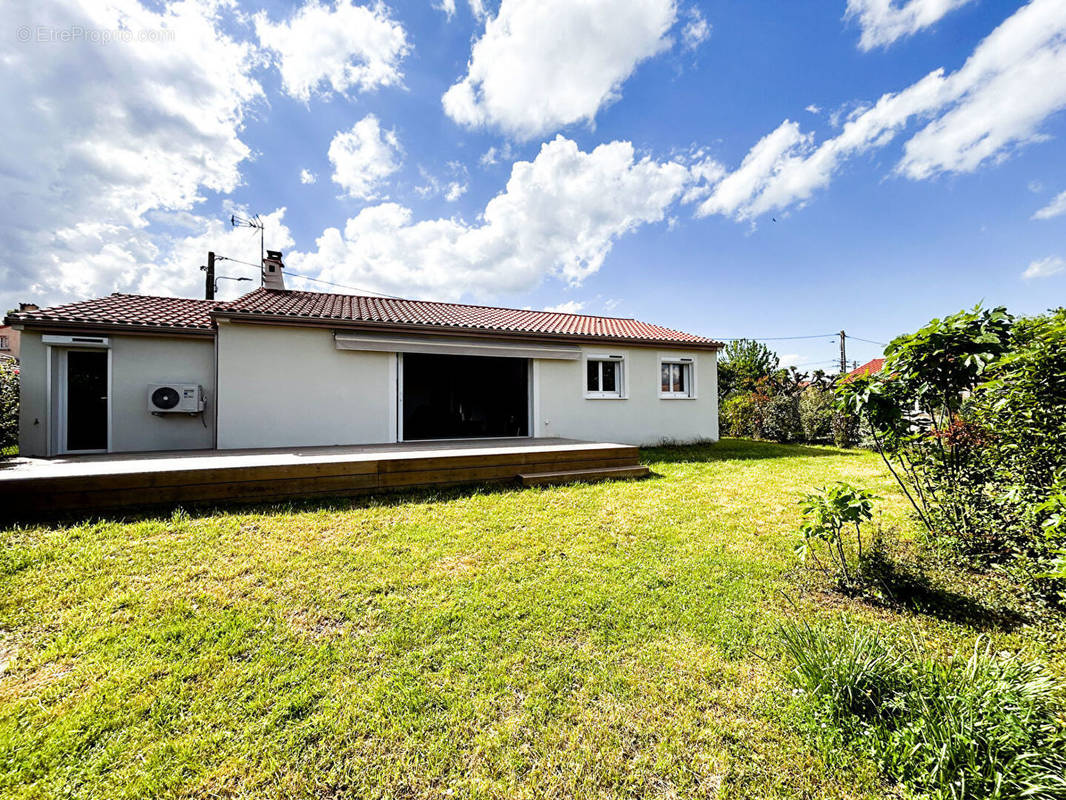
(585, 641)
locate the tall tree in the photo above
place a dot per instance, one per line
(745, 361)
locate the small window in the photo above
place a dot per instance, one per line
(603, 377)
(676, 378)
(4, 344)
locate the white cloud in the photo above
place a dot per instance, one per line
(1055, 208)
(696, 31)
(495, 155)
(447, 6)
(364, 157)
(884, 21)
(1045, 267)
(344, 47)
(454, 191)
(307, 176)
(559, 215)
(569, 307)
(1002, 94)
(813, 109)
(86, 162)
(544, 64)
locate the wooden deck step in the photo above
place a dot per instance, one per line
(584, 475)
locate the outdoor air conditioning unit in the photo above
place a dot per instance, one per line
(175, 398)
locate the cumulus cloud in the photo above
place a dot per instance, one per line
(364, 157)
(76, 207)
(569, 307)
(544, 64)
(884, 21)
(307, 176)
(1055, 208)
(344, 47)
(997, 100)
(696, 31)
(1045, 267)
(559, 215)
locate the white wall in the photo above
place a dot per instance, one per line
(291, 387)
(136, 362)
(33, 422)
(561, 408)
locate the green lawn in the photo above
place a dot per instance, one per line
(610, 640)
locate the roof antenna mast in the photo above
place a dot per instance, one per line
(255, 222)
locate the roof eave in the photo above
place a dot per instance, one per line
(457, 330)
(44, 326)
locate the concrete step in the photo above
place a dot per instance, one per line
(584, 475)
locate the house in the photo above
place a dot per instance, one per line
(281, 368)
(871, 367)
(9, 343)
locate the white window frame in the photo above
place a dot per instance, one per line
(622, 381)
(5, 343)
(684, 360)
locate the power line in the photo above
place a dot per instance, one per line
(868, 341)
(340, 285)
(316, 280)
(773, 338)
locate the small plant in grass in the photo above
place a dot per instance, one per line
(982, 725)
(830, 515)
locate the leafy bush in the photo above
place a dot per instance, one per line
(970, 416)
(779, 417)
(828, 513)
(9, 406)
(817, 408)
(845, 429)
(985, 726)
(740, 417)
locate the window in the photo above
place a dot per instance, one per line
(676, 379)
(603, 376)
(4, 343)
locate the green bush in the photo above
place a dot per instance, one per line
(987, 726)
(739, 416)
(780, 418)
(9, 406)
(829, 515)
(817, 408)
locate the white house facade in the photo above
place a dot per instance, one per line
(279, 368)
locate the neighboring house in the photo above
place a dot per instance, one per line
(9, 343)
(278, 368)
(871, 367)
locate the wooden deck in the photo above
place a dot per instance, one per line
(34, 488)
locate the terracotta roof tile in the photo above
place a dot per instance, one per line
(140, 311)
(357, 308)
(871, 367)
(127, 310)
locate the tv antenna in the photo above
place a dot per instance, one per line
(255, 222)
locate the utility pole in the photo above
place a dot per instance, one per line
(843, 353)
(209, 287)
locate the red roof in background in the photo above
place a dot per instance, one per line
(871, 367)
(392, 311)
(126, 310)
(140, 311)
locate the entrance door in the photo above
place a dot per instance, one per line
(85, 420)
(464, 397)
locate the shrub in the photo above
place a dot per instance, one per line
(829, 515)
(739, 416)
(845, 429)
(817, 408)
(9, 406)
(780, 417)
(984, 726)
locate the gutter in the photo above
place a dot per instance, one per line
(440, 330)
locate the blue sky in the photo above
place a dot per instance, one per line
(717, 167)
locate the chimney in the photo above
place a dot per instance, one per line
(29, 307)
(272, 267)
